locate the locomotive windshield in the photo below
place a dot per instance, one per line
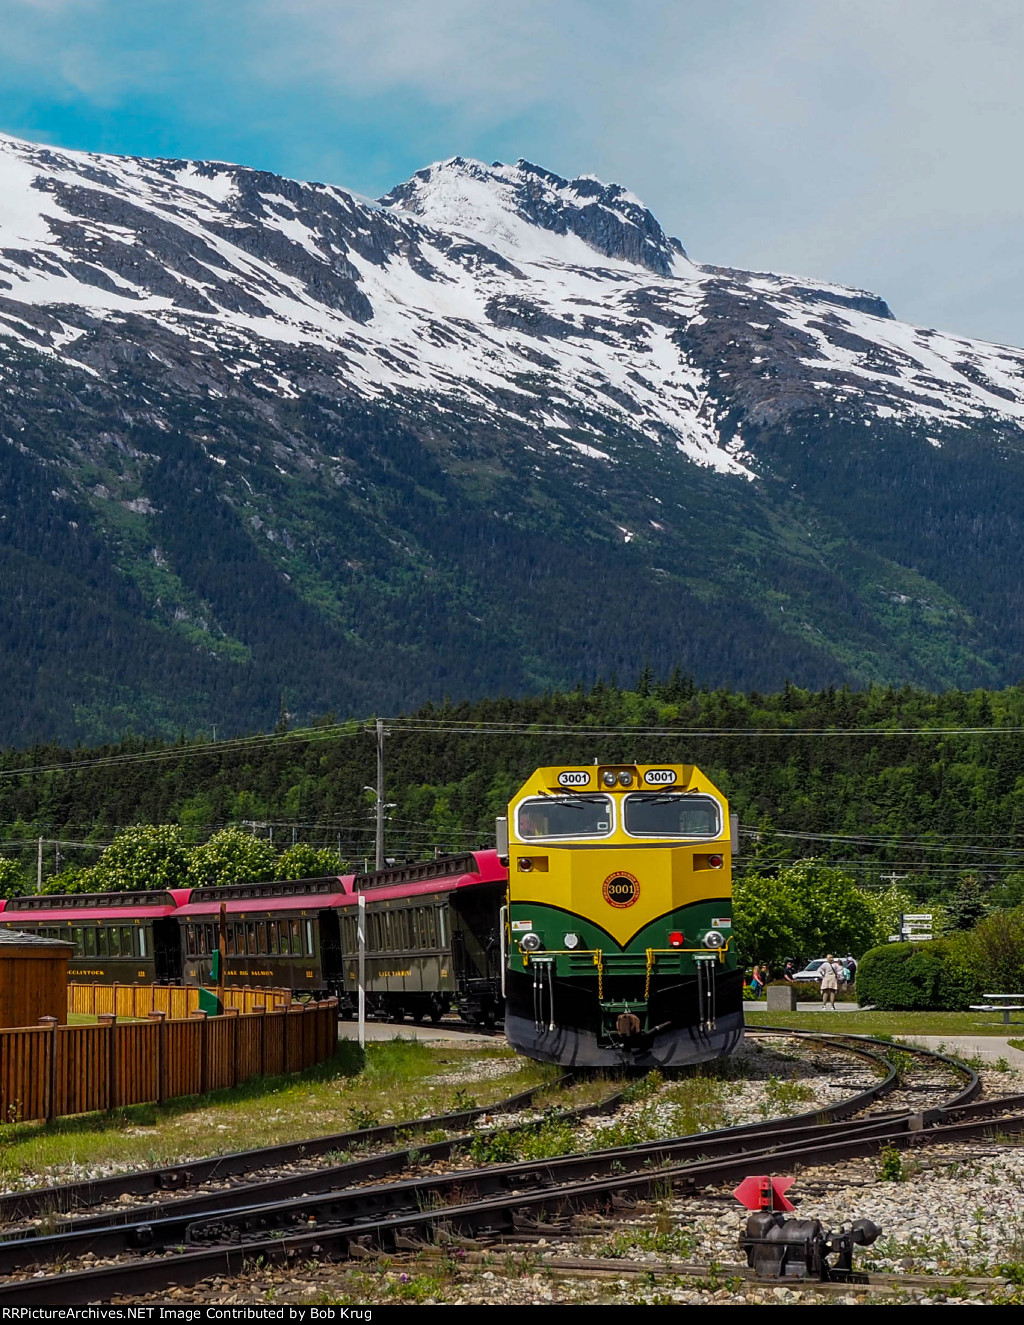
(564, 816)
(671, 814)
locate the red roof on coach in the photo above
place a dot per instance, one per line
(68, 908)
(468, 870)
(471, 869)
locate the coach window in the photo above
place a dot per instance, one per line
(672, 814)
(190, 940)
(272, 937)
(114, 940)
(296, 938)
(127, 946)
(90, 942)
(564, 816)
(309, 938)
(229, 940)
(79, 940)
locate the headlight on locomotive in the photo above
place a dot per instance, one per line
(571, 941)
(530, 943)
(713, 939)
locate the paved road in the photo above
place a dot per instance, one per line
(988, 1047)
(750, 1006)
(445, 1033)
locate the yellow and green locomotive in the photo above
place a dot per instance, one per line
(618, 918)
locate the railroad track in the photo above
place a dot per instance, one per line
(596, 1267)
(218, 1232)
(64, 1198)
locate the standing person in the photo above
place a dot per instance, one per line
(829, 976)
(788, 971)
(757, 979)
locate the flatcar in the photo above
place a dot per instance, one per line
(618, 928)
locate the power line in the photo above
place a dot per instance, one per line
(457, 728)
(300, 736)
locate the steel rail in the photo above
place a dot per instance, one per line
(332, 1205)
(970, 1091)
(64, 1197)
(338, 1176)
(130, 1229)
(789, 1141)
(407, 1231)
(68, 1197)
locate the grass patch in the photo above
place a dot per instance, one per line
(907, 1024)
(667, 1238)
(396, 1080)
(682, 1108)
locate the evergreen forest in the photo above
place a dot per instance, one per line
(893, 786)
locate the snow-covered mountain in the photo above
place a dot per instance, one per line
(459, 284)
(561, 364)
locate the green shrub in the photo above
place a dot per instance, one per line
(991, 955)
(912, 977)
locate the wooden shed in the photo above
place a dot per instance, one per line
(33, 978)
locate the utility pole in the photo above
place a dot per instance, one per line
(361, 943)
(39, 867)
(380, 793)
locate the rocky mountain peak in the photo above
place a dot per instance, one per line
(491, 203)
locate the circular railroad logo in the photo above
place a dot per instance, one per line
(621, 889)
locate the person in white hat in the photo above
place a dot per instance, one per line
(829, 975)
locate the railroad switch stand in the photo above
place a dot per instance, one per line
(781, 1248)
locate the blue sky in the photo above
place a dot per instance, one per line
(876, 143)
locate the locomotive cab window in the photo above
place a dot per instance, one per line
(671, 814)
(564, 816)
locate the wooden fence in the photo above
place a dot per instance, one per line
(174, 1001)
(50, 1070)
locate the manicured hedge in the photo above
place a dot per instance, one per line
(910, 977)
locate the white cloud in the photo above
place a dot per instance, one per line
(860, 140)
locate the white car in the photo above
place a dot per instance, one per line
(811, 972)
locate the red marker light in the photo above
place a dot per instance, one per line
(676, 940)
(715, 862)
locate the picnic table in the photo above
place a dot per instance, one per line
(1004, 1003)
